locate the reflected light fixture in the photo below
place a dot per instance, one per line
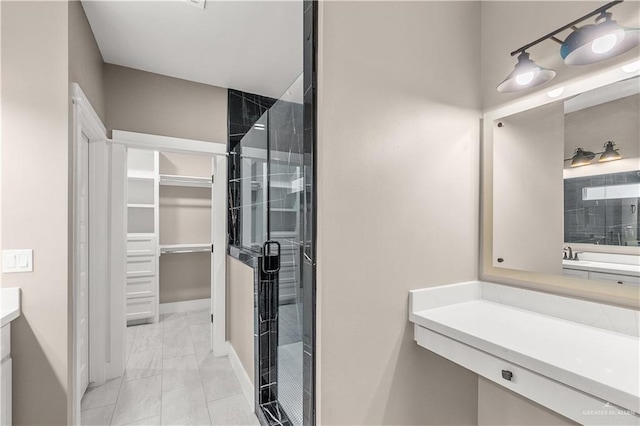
(585, 45)
(610, 153)
(581, 158)
(525, 74)
(584, 158)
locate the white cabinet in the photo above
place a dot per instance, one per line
(601, 276)
(615, 278)
(142, 235)
(5, 377)
(575, 273)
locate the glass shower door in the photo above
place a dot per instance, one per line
(286, 202)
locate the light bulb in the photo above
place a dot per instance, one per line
(524, 78)
(604, 44)
(632, 67)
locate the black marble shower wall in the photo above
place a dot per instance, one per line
(244, 110)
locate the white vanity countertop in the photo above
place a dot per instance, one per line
(611, 268)
(594, 360)
(10, 304)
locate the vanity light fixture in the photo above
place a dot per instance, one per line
(525, 74)
(598, 42)
(586, 45)
(584, 158)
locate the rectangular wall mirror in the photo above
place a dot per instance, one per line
(565, 184)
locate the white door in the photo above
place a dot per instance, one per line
(83, 264)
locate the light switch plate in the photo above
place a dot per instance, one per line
(17, 261)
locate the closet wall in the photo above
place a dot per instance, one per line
(185, 218)
(143, 102)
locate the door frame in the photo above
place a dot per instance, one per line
(85, 120)
(218, 153)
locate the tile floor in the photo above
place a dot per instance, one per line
(171, 378)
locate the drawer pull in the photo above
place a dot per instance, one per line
(507, 375)
(620, 282)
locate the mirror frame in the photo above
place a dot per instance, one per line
(626, 296)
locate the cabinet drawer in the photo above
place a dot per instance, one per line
(141, 246)
(575, 273)
(5, 392)
(141, 308)
(141, 266)
(615, 278)
(563, 399)
(5, 343)
(140, 287)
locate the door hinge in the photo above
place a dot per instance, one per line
(212, 318)
(213, 179)
(211, 248)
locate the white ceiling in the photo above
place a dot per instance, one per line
(253, 46)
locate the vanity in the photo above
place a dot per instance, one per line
(578, 358)
(10, 304)
(563, 333)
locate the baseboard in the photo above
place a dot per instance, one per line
(185, 306)
(243, 377)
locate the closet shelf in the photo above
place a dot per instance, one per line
(136, 174)
(184, 248)
(192, 181)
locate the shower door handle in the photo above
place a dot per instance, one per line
(271, 262)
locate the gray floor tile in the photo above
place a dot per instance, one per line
(177, 319)
(231, 411)
(148, 338)
(99, 396)
(100, 416)
(185, 406)
(218, 378)
(202, 316)
(138, 399)
(151, 421)
(143, 364)
(177, 342)
(201, 335)
(180, 372)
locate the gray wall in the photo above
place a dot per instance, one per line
(398, 203)
(85, 60)
(35, 201)
(144, 102)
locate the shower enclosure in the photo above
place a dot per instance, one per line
(270, 211)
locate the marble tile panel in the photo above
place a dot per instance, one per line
(100, 416)
(138, 400)
(151, 421)
(143, 364)
(176, 319)
(180, 372)
(177, 342)
(233, 410)
(185, 406)
(202, 316)
(148, 338)
(201, 336)
(99, 396)
(218, 378)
